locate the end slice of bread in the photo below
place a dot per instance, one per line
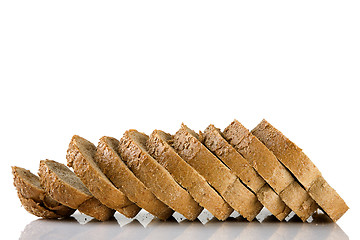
(133, 151)
(187, 144)
(81, 156)
(159, 147)
(302, 168)
(64, 186)
(111, 164)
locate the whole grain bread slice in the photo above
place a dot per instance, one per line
(270, 169)
(28, 186)
(133, 150)
(111, 164)
(302, 168)
(81, 156)
(61, 184)
(212, 138)
(159, 147)
(186, 142)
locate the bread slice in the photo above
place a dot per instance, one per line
(159, 147)
(28, 186)
(212, 138)
(61, 184)
(111, 164)
(186, 143)
(81, 157)
(302, 168)
(270, 169)
(133, 151)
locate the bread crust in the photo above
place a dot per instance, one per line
(132, 149)
(81, 156)
(111, 164)
(159, 147)
(28, 186)
(270, 169)
(186, 143)
(212, 138)
(302, 168)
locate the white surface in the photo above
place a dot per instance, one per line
(144, 226)
(99, 68)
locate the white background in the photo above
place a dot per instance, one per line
(98, 68)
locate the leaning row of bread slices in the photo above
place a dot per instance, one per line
(220, 171)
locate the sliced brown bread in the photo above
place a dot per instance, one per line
(212, 138)
(28, 185)
(60, 183)
(159, 147)
(111, 164)
(302, 168)
(186, 142)
(133, 151)
(81, 156)
(270, 169)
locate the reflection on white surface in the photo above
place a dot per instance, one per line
(145, 226)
